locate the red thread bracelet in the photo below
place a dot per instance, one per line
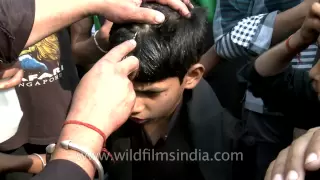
(292, 49)
(88, 126)
(94, 129)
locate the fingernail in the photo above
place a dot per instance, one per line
(312, 157)
(278, 177)
(160, 18)
(292, 175)
(133, 42)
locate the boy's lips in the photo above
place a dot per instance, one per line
(138, 120)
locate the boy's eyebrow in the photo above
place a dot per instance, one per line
(149, 89)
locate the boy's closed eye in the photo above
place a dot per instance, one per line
(149, 93)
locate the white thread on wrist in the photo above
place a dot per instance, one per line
(96, 42)
(43, 163)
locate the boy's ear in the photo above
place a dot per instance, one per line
(193, 76)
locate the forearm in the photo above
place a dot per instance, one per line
(15, 163)
(209, 60)
(86, 52)
(292, 18)
(279, 57)
(84, 137)
(50, 16)
(230, 46)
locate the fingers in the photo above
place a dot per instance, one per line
(117, 53)
(146, 15)
(178, 5)
(106, 27)
(315, 9)
(12, 82)
(7, 73)
(312, 161)
(188, 3)
(314, 16)
(129, 65)
(279, 165)
(295, 160)
(269, 171)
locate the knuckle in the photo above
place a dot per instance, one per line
(271, 165)
(314, 7)
(283, 152)
(313, 130)
(278, 167)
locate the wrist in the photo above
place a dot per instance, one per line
(91, 117)
(37, 164)
(102, 40)
(81, 136)
(297, 42)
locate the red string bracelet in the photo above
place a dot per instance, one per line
(94, 129)
(292, 49)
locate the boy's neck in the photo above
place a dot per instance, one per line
(158, 129)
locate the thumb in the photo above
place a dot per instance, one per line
(117, 53)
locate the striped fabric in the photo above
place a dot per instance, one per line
(243, 28)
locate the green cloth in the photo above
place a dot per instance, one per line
(210, 5)
(96, 22)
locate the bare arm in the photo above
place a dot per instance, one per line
(209, 60)
(279, 57)
(276, 59)
(292, 18)
(59, 13)
(13, 163)
(84, 48)
(230, 48)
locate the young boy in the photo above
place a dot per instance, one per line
(178, 129)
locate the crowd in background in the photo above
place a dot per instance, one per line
(220, 76)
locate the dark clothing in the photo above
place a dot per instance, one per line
(16, 21)
(153, 168)
(291, 97)
(62, 170)
(290, 92)
(45, 93)
(203, 125)
(265, 137)
(24, 150)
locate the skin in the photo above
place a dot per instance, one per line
(157, 101)
(315, 75)
(304, 153)
(61, 13)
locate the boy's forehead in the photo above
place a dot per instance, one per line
(153, 85)
(147, 85)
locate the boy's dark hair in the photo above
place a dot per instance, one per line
(164, 50)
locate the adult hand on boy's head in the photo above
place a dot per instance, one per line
(105, 95)
(180, 5)
(130, 10)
